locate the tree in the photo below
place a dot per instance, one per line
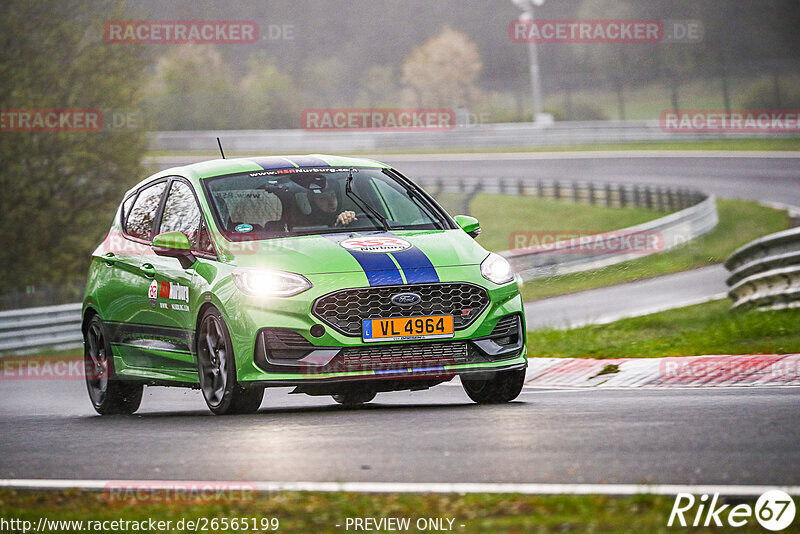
(192, 89)
(60, 189)
(268, 96)
(617, 63)
(326, 81)
(379, 86)
(443, 71)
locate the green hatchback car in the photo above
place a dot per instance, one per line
(332, 275)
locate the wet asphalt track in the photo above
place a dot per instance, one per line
(768, 179)
(712, 436)
(691, 436)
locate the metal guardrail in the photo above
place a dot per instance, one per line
(32, 328)
(475, 137)
(60, 325)
(696, 214)
(765, 273)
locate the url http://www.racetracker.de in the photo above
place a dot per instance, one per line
(201, 524)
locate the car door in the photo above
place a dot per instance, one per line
(130, 317)
(171, 316)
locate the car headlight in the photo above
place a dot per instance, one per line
(496, 268)
(264, 283)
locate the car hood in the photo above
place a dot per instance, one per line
(338, 253)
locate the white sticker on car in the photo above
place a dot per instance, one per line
(375, 244)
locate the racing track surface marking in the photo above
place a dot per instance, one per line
(405, 487)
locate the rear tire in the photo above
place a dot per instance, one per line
(504, 387)
(355, 398)
(108, 394)
(216, 368)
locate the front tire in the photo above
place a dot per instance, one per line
(108, 394)
(216, 368)
(504, 387)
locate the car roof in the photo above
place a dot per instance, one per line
(220, 167)
(217, 167)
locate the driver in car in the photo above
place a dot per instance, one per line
(325, 204)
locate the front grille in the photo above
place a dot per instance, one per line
(418, 355)
(344, 310)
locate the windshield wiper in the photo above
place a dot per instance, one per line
(348, 189)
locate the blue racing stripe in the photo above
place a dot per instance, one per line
(416, 266)
(379, 267)
(269, 163)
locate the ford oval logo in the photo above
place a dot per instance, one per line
(406, 299)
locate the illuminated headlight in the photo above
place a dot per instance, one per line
(496, 268)
(265, 283)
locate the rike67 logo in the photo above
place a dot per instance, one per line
(774, 510)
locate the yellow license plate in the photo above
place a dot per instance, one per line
(405, 328)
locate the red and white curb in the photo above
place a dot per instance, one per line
(686, 371)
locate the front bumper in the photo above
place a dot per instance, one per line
(335, 356)
(284, 352)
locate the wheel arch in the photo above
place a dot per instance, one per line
(203, 309)
(88, 314)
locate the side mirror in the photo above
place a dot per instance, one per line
(469, 224)
(174, 245)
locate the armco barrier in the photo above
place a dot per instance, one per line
(696, 214)
(31, 328)
(472, 137)
(765, 273)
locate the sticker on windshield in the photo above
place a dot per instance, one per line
(243, 228)
(302, 170)
(375, 244)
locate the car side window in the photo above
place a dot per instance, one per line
(182, 214)
(125, 209)
(139, 222)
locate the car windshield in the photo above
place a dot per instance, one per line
(280, 203)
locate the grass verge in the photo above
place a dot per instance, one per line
(321, 512)
(740, 221)
(502, 216)
(709, 328)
